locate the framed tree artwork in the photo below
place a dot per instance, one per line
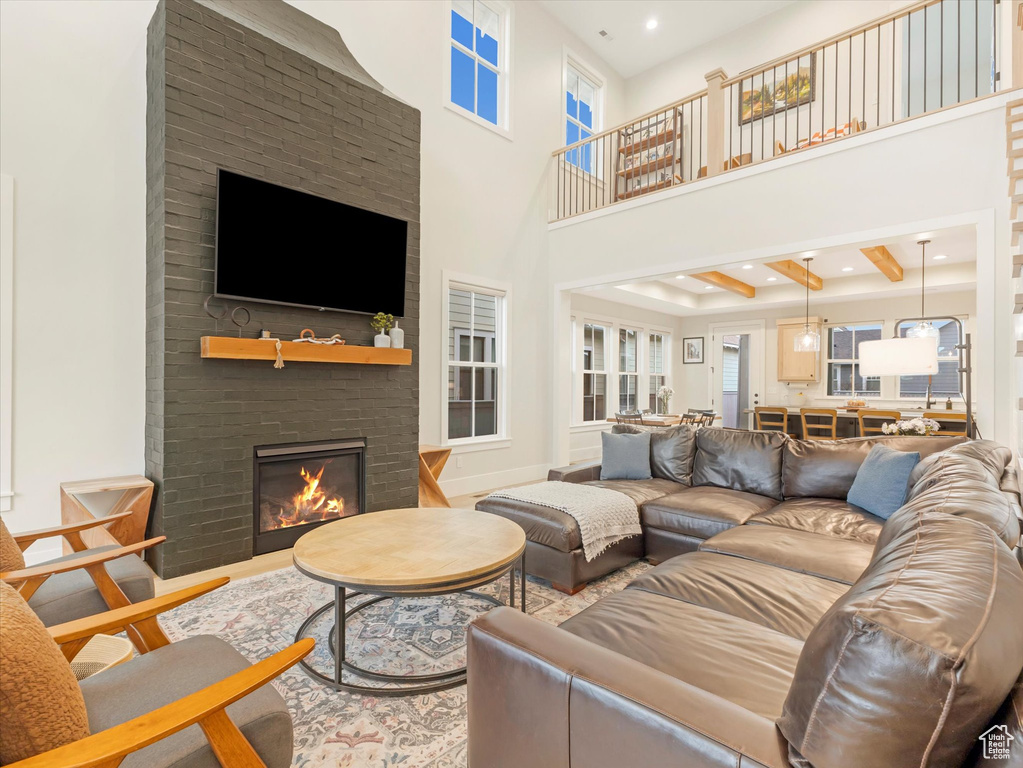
(778, 89)
(692, 350)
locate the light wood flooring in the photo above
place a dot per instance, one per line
(270, 562)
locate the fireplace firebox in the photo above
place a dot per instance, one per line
(298, 486)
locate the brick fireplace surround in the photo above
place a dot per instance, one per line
(267, 91)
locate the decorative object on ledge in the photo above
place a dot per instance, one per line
(307, 335)
(397, 336)
(228, 348)
(381, 323)
(136, 497)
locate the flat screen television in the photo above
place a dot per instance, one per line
(282, 246)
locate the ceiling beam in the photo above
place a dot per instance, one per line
(728, 283)
(797, 273)
(882, 258)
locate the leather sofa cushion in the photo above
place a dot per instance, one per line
(704, 511)
(1010, 716)
(640, 491)
(738, 660)
(542, 525)
(827, 557)
(994, 457)
(740, 459)
(172, 672)
(928, 639)
(826, 468)
(672, 450)
(785, 601)
(558, 530)
(829, 517)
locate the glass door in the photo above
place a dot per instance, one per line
(737, 373)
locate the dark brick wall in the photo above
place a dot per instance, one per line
(224, 96)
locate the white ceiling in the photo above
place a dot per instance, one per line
(682, 25)
(848, 275)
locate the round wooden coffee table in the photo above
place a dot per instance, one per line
(406, 553)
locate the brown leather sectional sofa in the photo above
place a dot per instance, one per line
(798, 630)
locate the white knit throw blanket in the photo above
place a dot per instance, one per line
(604, 516)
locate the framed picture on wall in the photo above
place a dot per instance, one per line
(692, 350)
(777, 90)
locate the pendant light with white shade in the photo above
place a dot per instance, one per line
(809, 340)
(924, 329)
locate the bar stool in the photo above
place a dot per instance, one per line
(822, 430)
(871, 419)
(771, 419)
(953, 424)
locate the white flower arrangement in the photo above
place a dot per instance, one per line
(917, 426)
(664, 394)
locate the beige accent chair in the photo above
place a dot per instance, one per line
(138, 714)
(82, 583)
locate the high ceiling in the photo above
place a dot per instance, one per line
(846, 273)
(682, 25)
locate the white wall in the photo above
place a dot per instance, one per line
(695, 384)
(72, 134)
(790, 29)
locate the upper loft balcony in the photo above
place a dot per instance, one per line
(926, 57)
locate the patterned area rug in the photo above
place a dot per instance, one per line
(411, 636)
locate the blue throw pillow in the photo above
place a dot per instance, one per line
(882, 482)
(625, 456)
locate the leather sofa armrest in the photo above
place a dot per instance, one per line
(541, 696)
(576, 473)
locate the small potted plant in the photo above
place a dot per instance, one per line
(381, 323)
(664, 395)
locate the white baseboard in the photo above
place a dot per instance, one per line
(584, 454)
(475, 483)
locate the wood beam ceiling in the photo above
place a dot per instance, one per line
(722, 280)
(882, 258)
(797, 273)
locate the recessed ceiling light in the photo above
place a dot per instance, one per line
(680, 277)
(847, 269)
(747, 266)
(940, 256)
(771, 279)
(652, 24)
(708, 287)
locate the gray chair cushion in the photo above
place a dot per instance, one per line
(70, 596)
(167, 674)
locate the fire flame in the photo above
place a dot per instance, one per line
(308, 505)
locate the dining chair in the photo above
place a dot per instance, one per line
(825, 429)
(629, 418)
(694, 419)
(771, 419)
(952, 424)
(871, 419)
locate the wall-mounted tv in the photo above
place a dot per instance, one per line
(281, 246)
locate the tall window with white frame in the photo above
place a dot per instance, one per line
(657, 363)
(628, 367)
(478, 59)
(594, 371)
(474, 367)
(946, 382)
(844, 378)
(582, 114)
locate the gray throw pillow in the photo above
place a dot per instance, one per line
(882, 482)
(625, 457)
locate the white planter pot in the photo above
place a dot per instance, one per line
(381, 340)
(397, 337)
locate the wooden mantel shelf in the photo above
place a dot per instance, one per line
(229, 348)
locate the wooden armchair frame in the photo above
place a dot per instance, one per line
(108, 748)
(28, 580)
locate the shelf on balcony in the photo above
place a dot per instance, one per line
(661, 164)
(229, 348)
(650, 141)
